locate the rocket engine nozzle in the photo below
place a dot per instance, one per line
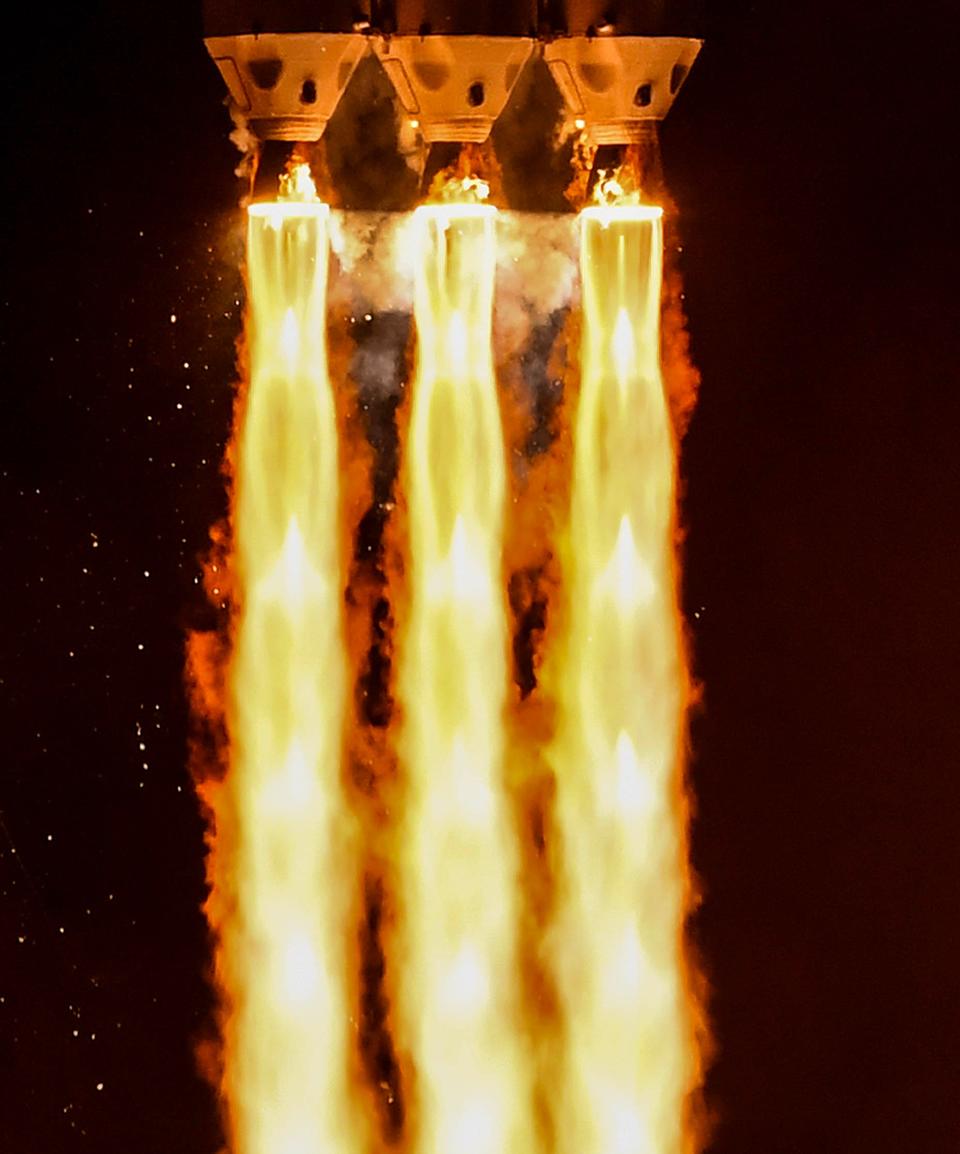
(455, 87)
(285, 65)
(619, 67)
(619, 84)
(452, 63)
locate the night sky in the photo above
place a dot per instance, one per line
(811, 155)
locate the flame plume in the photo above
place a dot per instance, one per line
(282, 955)
(619, 677)
(517, 950)
(457, 875)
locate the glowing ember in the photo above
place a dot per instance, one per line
(458, 868)
(619, 678)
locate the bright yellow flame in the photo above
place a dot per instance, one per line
(282, 957)
(619, 188)
(458, 870)
(462, 191)
(620, 681)
(297, 184)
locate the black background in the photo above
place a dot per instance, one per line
(811, 153)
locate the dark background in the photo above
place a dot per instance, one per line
(812, 156)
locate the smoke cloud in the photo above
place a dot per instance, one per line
(536, 273)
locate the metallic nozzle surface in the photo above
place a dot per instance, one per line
(287, 84)
(453, 63)
(454, 86)
(616, 84)
(285, 65)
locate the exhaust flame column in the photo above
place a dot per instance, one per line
(282, 959)
(458, 868)
(621, 686)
